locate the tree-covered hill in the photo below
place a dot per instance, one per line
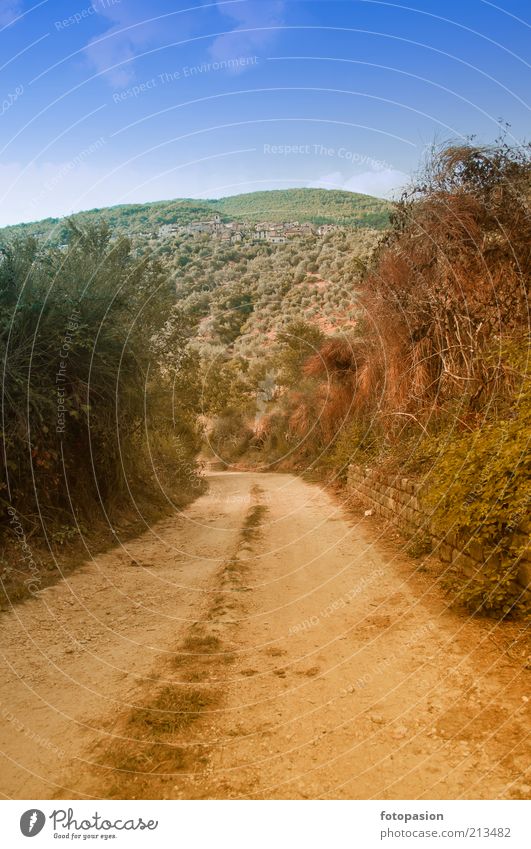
(243, 295)
(319, 206)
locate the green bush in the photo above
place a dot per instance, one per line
(478, 492)
(230, 436)
(357, 442)
(92, 351)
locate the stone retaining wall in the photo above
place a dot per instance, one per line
(397, 499)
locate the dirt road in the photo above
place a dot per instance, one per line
(267, 644)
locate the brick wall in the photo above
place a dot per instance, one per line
(397, 499)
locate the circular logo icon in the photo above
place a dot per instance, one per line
(31, 822)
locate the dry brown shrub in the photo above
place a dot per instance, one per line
(452, 280)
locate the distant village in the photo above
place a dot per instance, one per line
(232, 232)
(235, 231)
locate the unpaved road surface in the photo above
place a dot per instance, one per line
(316, 660)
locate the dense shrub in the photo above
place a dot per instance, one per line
(478, 490)
(230, 437)
(453, 275)
(92, 352)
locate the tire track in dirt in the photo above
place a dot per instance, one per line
(158, 743)
(82, 652)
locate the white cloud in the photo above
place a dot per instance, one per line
(248, 35)
(9, 10)
(50, 190)
(384, 183)
(56, 189)
(131, 33)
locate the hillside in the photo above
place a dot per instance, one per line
(319, 206)
(243, 294)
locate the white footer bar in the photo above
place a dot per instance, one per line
(268, 825)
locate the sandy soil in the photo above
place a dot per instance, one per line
(348, 676)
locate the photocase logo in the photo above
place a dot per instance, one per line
(32, 822)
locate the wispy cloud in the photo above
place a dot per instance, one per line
(248, 34)
(9, 10)
(133, 27)
(43, 189)
(120, 43)
(385, 183)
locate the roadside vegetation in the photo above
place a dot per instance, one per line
(432, 375)
(95, 354)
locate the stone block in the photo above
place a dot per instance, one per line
(464, 562)
(445, 552)
(476, 551)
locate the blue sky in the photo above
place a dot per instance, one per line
(122, 101)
